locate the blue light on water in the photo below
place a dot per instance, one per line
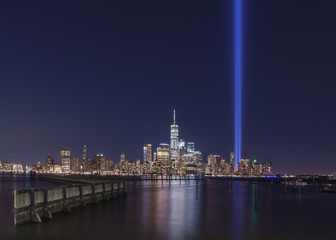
(238, 76)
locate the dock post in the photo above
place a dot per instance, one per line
(82, 204)
(47, 212)
(231, 183)
(285, 190)
(104, 197)
(93, 193)
(34, 216)
(66, 207)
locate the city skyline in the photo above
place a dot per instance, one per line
(107, 75)
(180, 157)
(66, 151)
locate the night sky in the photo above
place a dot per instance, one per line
(109, 74)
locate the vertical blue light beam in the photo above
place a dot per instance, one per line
(238, 76)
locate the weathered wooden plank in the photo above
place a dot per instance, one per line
(21, 199)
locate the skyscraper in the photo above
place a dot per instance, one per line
(191, 147)
(50, 160)
(65, 159)
(122, 158)
(101, 162)
(232, 162)
(174, 140)
(85, 159)
(147, 151)
(86, 164)
(98, 162)
(109, 164)
(181, 144)
(84, 154)
(94, 162)
(75, 165)
(163, 154)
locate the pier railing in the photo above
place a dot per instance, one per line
(34, 204)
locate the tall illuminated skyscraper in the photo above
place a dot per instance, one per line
(147, 151)
(84, 153)
(65, 159)
(98, 162)
(174, 141)
(75, 166)
(85, 159)
(163, 154)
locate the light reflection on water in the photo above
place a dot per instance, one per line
(163, 210)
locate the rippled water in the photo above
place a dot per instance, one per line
(180, 210)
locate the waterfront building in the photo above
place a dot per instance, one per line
(84, 158)
(154, 157)
(75, 165)
(148, 167)
(124, 165)
(94, 162)
(268, 168)
(138, 166)
(163, 155)
(109, 164)
(198, 160)
(174, 140)
(86, 164)
(245, 167)
(17, 168)
(50, 160)
(65, 159)
(214, 160)
(55, 168)
(101, 162)
(122, 158)
(232, 162)
(98, 162)
(147, 153)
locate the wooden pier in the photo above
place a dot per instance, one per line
(34, 204)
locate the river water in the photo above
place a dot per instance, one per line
(183, 210)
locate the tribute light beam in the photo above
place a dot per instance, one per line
(238, 4)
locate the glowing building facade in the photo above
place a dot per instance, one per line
(147, 153)
(174, 141)
(50, 160)
(163, 154)
(191, 147)
(65, 159)
(75, 165)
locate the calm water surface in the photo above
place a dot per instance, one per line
(180, 210)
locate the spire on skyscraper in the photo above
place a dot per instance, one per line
(174, 117)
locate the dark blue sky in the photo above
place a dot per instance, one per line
(109, 73)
